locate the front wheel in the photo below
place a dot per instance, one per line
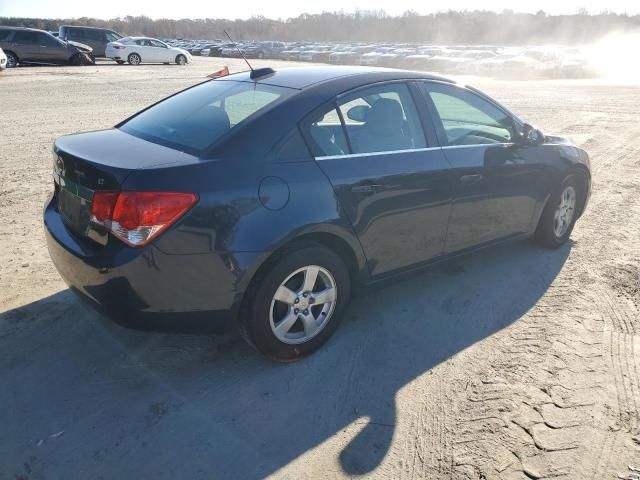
(80, 59)
(181, 60)
(298, 303)
(134, 59)
(560, 214)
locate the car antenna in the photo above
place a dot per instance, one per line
(255, 73)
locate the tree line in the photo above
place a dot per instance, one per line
(466, 27)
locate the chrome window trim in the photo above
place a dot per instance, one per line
(410, 150)
(449, 147)
(375, 154)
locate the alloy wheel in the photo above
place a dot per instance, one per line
(134, 59)
(303, 304)
(563, 215)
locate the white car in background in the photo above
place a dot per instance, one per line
(3, 60)
(137, 50)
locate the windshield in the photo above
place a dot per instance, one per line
(195, 119)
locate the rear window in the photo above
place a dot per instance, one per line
(195, 119)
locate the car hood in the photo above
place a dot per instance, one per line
(80, 46)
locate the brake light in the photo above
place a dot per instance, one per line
(118, 47)
(138, 217)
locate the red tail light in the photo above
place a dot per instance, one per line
(138, 217)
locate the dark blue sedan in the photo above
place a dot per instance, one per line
(261, 200)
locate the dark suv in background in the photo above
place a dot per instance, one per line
(96, 38)
(28, 45)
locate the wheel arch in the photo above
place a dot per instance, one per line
(6, 52)
(582, 172)
(579, 171)
(348, 249)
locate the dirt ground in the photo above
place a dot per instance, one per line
(516, 363)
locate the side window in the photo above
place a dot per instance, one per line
(325, 134)
(468, 119)
(113, 37)
(26, 37)
(155, 43)
(75, 34)
(4, 34)
(382, 119)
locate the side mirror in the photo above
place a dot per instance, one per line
(358, 113)
(532, 135)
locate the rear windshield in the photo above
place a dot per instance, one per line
(195, 119)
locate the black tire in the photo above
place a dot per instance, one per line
(260, 55)
(134, 59)
(80, 59)
(165, 63)
(546, 235)
(181, 60)
(255, 324)
(120, 62)
(12, 59)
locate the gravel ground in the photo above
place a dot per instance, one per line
(517, 363)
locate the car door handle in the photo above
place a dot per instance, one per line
(471, 179)
(367, 188)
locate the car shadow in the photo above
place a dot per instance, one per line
(81, 394)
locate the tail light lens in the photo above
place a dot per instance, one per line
(119, 47)
(138, 217)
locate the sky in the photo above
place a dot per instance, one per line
(106, 9)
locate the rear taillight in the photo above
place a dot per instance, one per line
(138, 217)
(118, 47)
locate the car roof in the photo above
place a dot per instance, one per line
(88, 28)
(303, 77)
(23, 28)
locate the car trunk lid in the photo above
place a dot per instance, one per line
(101, 161)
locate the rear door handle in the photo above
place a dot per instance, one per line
(367, 188)
(470, 179)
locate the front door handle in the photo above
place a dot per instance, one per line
(367, 188)
(471, 179)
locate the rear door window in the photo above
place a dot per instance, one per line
(4, 34)
(382, 119)
(195, 119)
(26, 38)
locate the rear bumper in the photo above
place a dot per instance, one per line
(146, 288)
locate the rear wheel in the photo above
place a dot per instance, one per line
(120, 62)
(134, 59)
(12, 59)
(181, 59)
(560, 214)
(298, 303)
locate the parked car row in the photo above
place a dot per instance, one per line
(458, 59)
(79, 45)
